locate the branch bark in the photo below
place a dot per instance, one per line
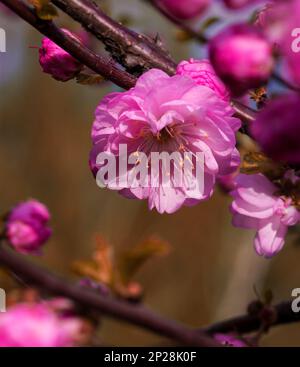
(248, 323)
(135, 314)
(98, 64)
(135, 52)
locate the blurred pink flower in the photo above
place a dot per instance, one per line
(277, 129)
(26, 226)
(203, 73)
(242, 57)
(36, 325)
(187, 9)
(230, 340)
(280, 21)
(57, 62)
(255, 206)
(167, 114)
(238, 4)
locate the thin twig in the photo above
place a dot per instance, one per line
(285, 83)
(248, 323)
(134, 314)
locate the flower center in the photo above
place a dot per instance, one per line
(165, 134)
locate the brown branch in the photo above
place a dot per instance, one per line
(129, 48)
(248, 323)
(131, 313)
(114, 34)
(285, 83)
(134, 51)
(97, 63)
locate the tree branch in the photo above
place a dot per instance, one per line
(97, 63)
(134, 314)
(248, 323)
(135, 52)
(114, 34)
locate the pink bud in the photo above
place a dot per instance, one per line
(187, 9)
(26, 226)
(202, 72)
(57, 62)
(242, 57)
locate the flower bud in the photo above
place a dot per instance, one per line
(277, 129)
(242, 58)
(57, 62)
(26, 226)
(187, 9)
(202, 72)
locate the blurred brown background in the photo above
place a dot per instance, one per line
(44, 147)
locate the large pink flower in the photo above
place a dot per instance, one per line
(167, 114)
(36, 325)
(255, 206)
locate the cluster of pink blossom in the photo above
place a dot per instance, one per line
(191, 112)
(37, 325)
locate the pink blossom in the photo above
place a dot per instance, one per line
(203, 73)
(167, 114)
(281, 24)
(238, 4)
(187, 9)
(26, 226)
(57, 62)
(36, 325)
(242, 57)
(230, 340)
(277, 129)
(227, 182)
(255, 206)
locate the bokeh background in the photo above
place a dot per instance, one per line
(44, 147)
